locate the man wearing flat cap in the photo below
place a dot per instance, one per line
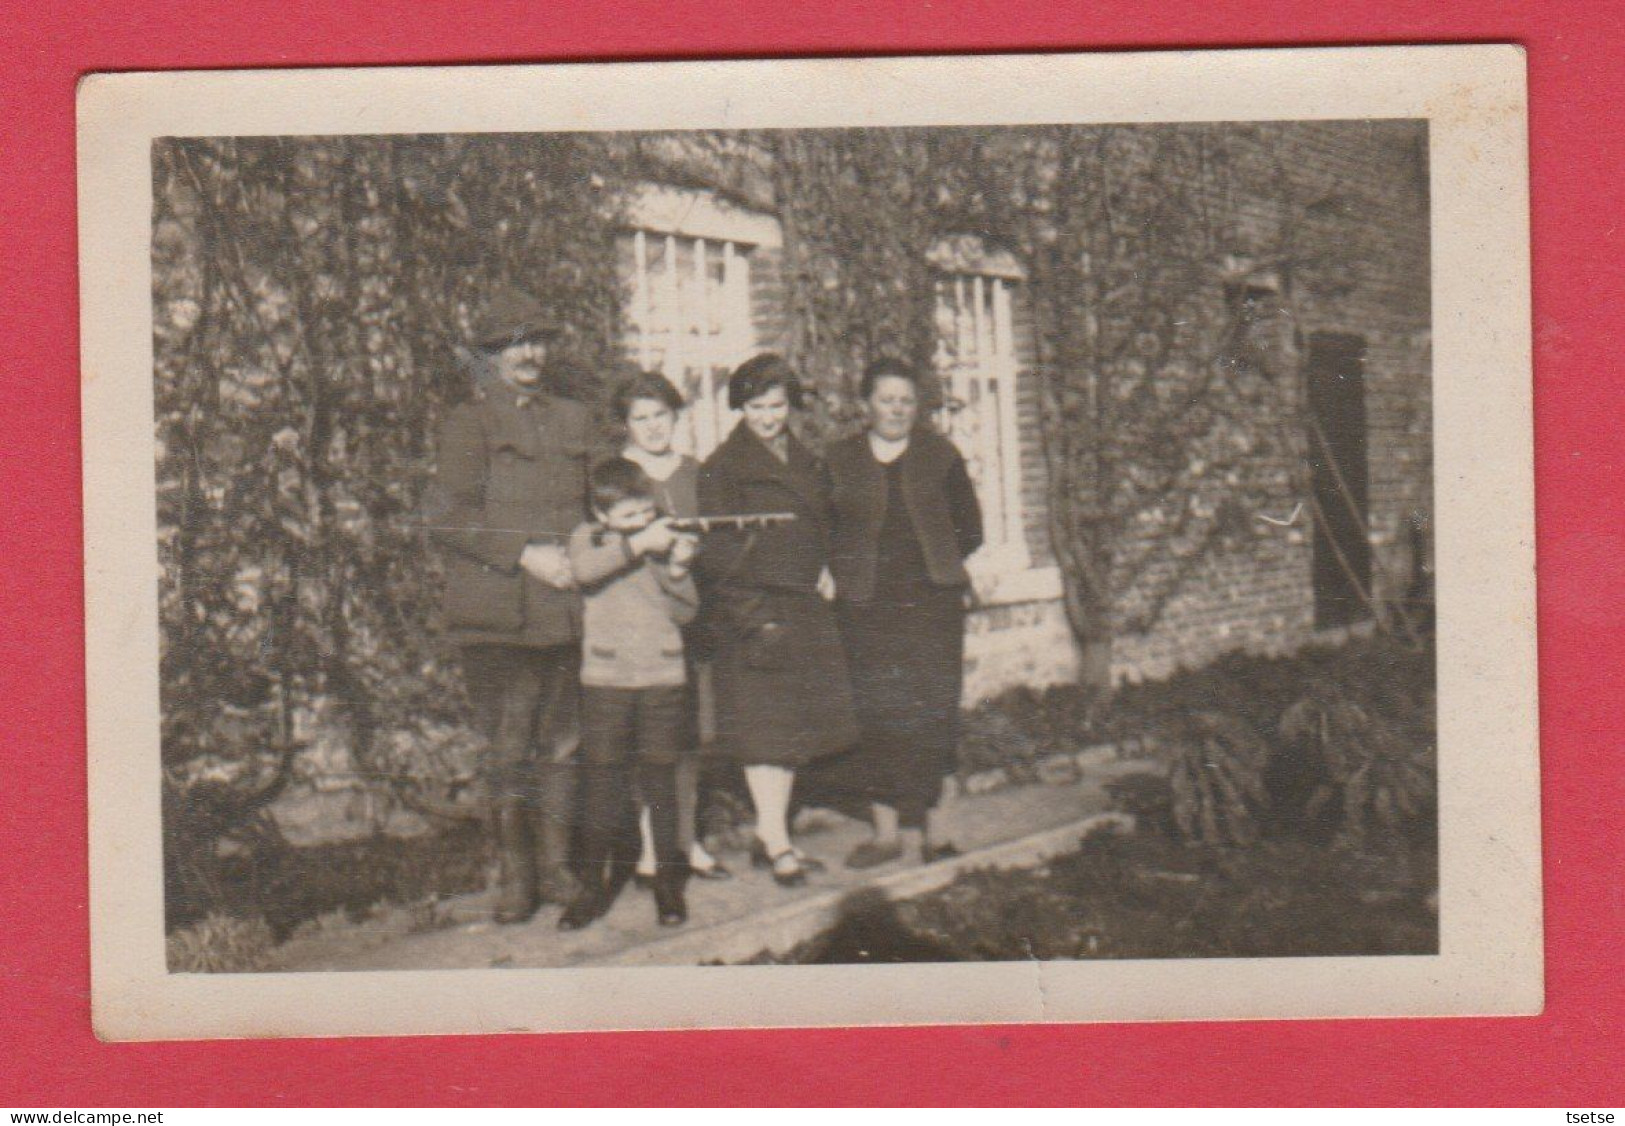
(510, 485)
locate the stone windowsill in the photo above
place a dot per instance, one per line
(999, 587)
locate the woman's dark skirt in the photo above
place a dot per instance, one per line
(906, 651)
(783, 697)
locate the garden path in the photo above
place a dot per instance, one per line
(730, 920)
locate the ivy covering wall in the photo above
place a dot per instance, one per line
(310, 295)
(1169, 268)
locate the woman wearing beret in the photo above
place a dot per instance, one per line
(782, 694)
(905, 519)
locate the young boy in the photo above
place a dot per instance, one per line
(637, 594)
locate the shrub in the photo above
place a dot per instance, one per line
(1215, 777)
(219, 944)
(1001, 733)
(1377, 777)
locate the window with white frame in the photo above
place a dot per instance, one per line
(686, 266)
(976, 359)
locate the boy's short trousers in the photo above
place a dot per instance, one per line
(651, 725)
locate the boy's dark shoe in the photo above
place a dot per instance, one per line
(670, 906)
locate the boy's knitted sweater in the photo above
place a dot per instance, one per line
(632, 613)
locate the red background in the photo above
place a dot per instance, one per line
(1571, 1056)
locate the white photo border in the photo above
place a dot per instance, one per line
(1474, 98)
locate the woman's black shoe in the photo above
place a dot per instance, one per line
(930, 854)
(716, 870)
(786, 876)
(584, 909)
(759, 857)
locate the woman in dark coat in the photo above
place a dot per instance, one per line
(782, 694)
(905, 519)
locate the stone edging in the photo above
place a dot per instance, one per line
(779, 930)
(1057, 769)
(1062, 768)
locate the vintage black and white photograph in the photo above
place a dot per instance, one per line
(778, 545)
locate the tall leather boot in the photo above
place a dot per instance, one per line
(556, 881)
(603, 828)
(515, 899)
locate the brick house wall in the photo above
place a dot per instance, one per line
(1367, 216)
(1366, 207)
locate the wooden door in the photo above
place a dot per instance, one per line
(1340, 478)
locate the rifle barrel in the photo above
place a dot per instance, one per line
(742, 521)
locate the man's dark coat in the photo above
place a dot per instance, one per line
(512, 471)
